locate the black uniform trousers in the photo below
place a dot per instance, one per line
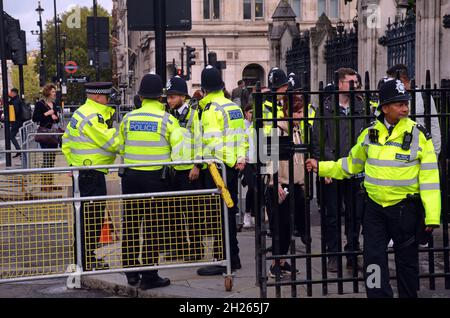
(284, 218)
(350, 193)
(91, 183)
(153, 215)
(188, 221)
(232, 185)
(399, 223)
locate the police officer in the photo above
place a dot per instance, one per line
(402, 180)
(91, 140)
(224, 138)
(147, 135)
(186, 177)
(278, 83)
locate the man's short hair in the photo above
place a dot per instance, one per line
(240, 82)
(15, 90)
(402, 70)
(344, 71)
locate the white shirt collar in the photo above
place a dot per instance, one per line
(180, 110)
(387, 124)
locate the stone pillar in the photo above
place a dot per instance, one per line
(445, 41)
(428, 40)
(318, 36)
(372, 20)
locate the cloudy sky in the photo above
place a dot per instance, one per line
(25, 11)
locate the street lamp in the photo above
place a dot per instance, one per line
(42, 73)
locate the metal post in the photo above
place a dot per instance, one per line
(76, 195)
(205, 54)
(96, 58)
(160, 38)
(56, 41)
(21, 83)
(42, 72)
(5, 85)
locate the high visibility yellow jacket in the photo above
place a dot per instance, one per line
(223, 126)
(89, 139)
(148, 134)
(392, 173)
(191, 146)
(267, 113)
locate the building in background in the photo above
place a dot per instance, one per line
(237, 30)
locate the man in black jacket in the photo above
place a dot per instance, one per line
(339, 192)
(15, 100)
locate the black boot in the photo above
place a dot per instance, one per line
(155, 282)
(133, 278)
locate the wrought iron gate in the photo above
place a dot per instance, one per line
(341, 50)
(400, 40)
(309, 253)
(298, 58)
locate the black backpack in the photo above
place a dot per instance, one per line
(26, 111)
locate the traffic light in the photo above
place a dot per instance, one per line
(13, 41)
(190, 56)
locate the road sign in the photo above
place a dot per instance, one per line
(71, 67)
(78, 79)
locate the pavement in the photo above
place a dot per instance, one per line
(187, 284)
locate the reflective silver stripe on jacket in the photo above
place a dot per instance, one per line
(92, 152)
(147, 157)
(392, 163)
(430, 186)
(429, 166)
(355, 161)
(391, 183)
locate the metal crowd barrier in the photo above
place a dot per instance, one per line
(41, 238)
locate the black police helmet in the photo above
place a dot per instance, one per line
(151, 86)
(277, 78)
(211, 79)
(177, 86)
(294, 82)
(393, 91)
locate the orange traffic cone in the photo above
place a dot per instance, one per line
(105, 236)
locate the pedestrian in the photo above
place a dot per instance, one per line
(46, 114)
(16, 101)
(250, 169)
(240, 94)
(223, 139)
(340, 192)
(281, 224)
(147, 135)
(91, 140)
(402, 184)
(186, 177)
(420, 98)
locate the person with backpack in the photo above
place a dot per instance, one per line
(17, 122)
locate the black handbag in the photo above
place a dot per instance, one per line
(55, 139)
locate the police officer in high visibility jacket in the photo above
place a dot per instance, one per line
(224, 138)
(147, 135)
(278, 83)
(401, 180)
(90, 140)
(186, 177)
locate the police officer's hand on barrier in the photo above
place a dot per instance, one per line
(194, 173)
(311, 165)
